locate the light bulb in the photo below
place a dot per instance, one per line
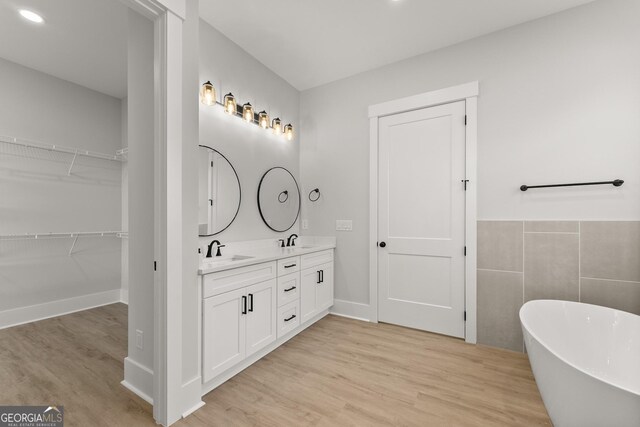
(230, 105)
(263, 119)
(276, 125)
(247, 112)
(288, 131)
(208, 94)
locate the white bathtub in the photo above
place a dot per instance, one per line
(586, 361)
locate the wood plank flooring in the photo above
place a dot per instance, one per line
(75, 361)
(339, 372)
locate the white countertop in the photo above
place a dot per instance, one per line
(256, 256)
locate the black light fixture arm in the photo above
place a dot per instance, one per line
(615, 183)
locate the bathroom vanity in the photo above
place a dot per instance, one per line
(256, 300)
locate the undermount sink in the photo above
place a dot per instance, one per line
(211, 262)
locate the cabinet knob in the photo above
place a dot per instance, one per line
(383, 245)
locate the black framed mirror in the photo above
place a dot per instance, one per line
(279, 199)
(219, 192)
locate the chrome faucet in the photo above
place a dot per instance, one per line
(291, 241)
(218, 253)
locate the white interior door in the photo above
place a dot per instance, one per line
(421, 219)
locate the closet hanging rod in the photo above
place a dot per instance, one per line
(58, 148)
(35, 236)
(615, 183)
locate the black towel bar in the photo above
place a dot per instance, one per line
(615, 183)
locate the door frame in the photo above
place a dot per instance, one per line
(467, 92)
(167, 17)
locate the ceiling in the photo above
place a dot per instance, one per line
(82, 41)
(309, 43)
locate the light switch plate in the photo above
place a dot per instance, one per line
(344, 225)
(305, 224)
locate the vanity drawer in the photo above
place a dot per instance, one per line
(288, 265)
(288, 318)
(317, 258)
(229, 280)
(288, 288)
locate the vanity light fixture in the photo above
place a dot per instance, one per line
(247, 112)
(276, 125)
(288, 131)
(263, 119)
(230, 105)
(31, 16)
(208, 94)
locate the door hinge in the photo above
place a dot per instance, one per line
(465, 120)
(465, 315)
(465, 251)
(155, 265)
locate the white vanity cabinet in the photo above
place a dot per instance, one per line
(316, 284)
(258, 307)
(224, 329)
(237, 323)
(261, 316)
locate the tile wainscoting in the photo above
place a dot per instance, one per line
(596, 262)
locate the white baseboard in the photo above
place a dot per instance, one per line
(124, 296)
(352, 310)
(33, 313)
(191, 395)
(193, 409)
(138, 379)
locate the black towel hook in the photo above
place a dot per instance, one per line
(317, 191)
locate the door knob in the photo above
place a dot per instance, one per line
(383, 244)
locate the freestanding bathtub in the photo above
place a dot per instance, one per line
(586, 361)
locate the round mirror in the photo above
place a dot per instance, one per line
(279, 199)
(219, 192)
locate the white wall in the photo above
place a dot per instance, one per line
(37, 195)
(559, 102)
(250, 149)
(139, 362)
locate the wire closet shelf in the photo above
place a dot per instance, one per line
(119, 156)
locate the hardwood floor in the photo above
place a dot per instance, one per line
(339, 372)
(75, 361)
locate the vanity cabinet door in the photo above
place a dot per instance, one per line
(223, 332)
(324, 289)
(261, 315)
(316, 290)
(308, 283)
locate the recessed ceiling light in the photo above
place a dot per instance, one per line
(31, 16)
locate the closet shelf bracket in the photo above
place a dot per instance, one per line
(73, 245)
(73, 161)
